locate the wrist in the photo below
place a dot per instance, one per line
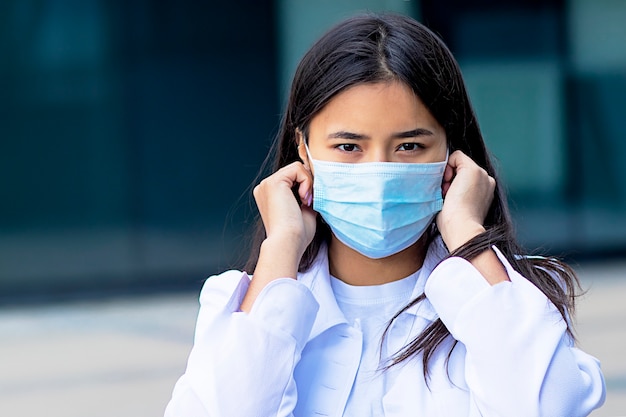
(461, 234)
(281, 256)
(286, 243)
(276, 260)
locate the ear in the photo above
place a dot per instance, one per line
(302, 153)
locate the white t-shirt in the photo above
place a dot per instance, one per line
(369, 309)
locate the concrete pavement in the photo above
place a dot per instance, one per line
(601, 328)
(121, 357)
(111, 358)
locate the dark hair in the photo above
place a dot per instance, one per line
(378, 48)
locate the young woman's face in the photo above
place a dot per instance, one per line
(381, 122)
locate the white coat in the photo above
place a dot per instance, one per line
(294, 354)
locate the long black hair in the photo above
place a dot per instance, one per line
(380, 48)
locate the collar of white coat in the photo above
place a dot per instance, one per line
(317, 278)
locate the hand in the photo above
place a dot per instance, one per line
(288, 224)
(289, 227)
(468, 193)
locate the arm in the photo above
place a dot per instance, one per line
(520, 360)
(468, 190)
(249, 341)
(289, 227)
(242, 363)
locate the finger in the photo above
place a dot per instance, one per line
(305, 184)
(448, 173)
(297, 174)
(444, 188)
(457, 158)
(458, 161)
(448, 176)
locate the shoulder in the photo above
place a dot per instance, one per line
(227, 287)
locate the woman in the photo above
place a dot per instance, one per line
(387, 280)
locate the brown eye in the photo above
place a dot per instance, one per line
(410, 146)
(347, 147)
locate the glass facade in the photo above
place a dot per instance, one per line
(547, 80)
(130, 133)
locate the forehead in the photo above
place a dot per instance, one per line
(374, 107)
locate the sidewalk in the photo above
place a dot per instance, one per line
(112, 358)
(121, 357)
(601, 329)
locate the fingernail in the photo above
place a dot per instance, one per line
(309, 199)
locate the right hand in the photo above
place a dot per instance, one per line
(289, 227)
(287, 222)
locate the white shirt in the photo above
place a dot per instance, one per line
(369, 308)
(295, 354)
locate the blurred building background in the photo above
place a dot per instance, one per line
(130, 132)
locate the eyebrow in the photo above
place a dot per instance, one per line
(342, 134)
(413, 133)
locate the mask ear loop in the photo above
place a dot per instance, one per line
(303, 141)
(433, 230)
(320, 220)
(308, 153)
(306, 147)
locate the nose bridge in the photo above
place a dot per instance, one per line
(379, 153)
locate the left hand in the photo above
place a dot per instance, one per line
(468, 193)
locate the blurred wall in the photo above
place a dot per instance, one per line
(548, 82)
(128, 132)
(131, 131)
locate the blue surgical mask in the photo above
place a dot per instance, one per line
(377, 208)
